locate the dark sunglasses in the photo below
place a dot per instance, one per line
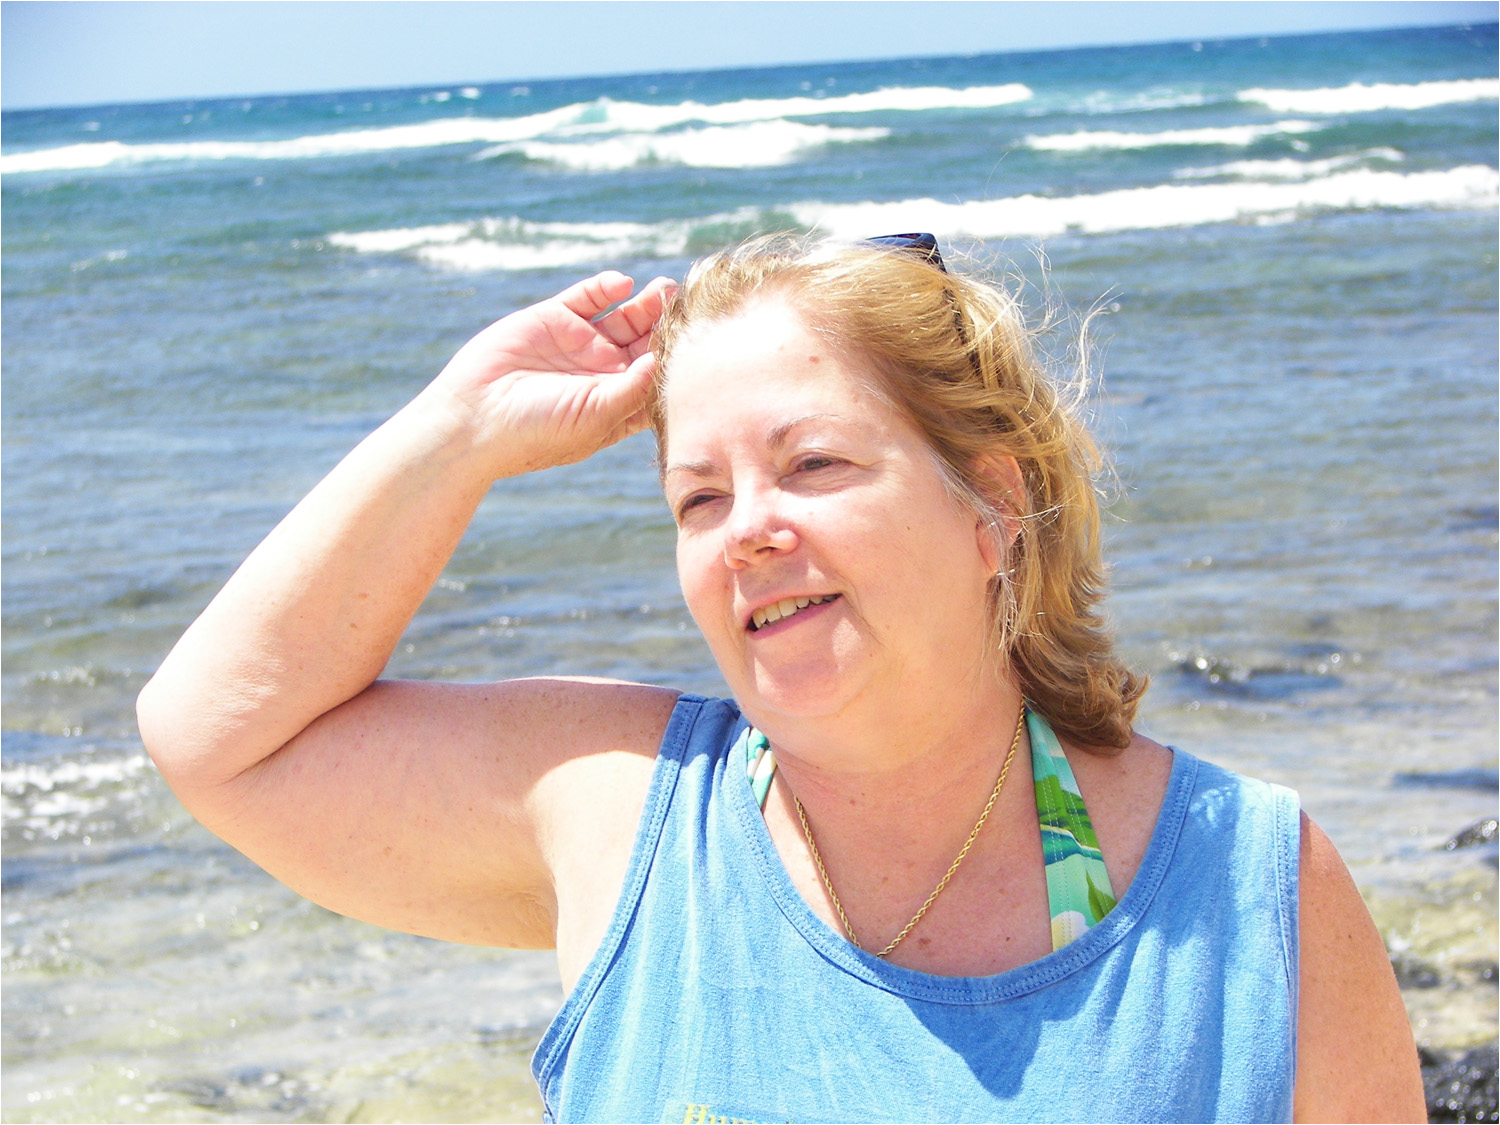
(923, 244)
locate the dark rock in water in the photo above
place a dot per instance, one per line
(1312, 670)
(1451, 779)
(1411, 973)
(1461, 1086)
(1482, 518)
(1480, 832)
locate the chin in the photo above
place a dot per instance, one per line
(807, 693)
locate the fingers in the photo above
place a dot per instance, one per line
(630, 325)
(593, 295)
(623, 396)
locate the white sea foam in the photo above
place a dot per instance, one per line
(639, 117)
(36, 793)
(1161, 206)
(71, 773)
(429, 134)
(1231, 136)
(579, 119)
(1143, 101)
(402, 238)
(757, 145)
(1288, 169)
(515, 244)
(1361, 98)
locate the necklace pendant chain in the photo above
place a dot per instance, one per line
(943, 882)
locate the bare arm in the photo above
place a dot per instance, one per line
(1356, 1060)
(411, 805)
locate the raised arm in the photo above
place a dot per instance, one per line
(1356, 1060)
(418, 806)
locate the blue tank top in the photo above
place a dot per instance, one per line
(717, 995)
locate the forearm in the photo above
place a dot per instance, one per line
(312, 616)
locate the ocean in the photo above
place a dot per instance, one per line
(1286, 251)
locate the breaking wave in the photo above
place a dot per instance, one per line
(516, 244)
(1289, 169)
(758, 145)
(1360, 98)
(603, 115)
(1163, 205)
(1230, 136)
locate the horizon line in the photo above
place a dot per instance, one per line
(482, 83)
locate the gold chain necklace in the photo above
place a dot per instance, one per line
(943, 882)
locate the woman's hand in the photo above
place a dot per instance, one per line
(551, 384)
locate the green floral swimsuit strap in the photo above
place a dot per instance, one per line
(1079, 894)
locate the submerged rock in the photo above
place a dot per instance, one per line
(1411, 973)
(1480, 832)
(1450, 779)
(1461, 1086)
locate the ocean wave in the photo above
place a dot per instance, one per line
(36, 794)
(1105, 102)
(1161, 206)
(1289, 169)
(428, 134)
(1229, 136)
(758, 145)
(639, 117)
(511, 244)
(515, 244)
(603, 115)
(1360, 98)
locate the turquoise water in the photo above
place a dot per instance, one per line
(1291, 243)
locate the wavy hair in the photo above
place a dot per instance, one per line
(954, 355)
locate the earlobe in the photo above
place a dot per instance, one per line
(990, 551)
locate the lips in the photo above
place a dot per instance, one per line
(786, 607)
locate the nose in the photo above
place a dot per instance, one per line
(757, 529)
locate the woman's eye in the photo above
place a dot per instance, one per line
(696, 500)
(812, 464)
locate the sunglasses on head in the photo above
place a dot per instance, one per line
(923, 244)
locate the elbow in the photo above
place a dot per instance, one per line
(174, 742)
(153, 720)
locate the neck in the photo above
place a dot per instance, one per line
(898, 761)
(891, 800)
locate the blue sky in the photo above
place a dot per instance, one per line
(87, 52)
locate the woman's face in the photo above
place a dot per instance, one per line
(818, 549)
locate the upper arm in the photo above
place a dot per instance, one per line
(443, 809)
(1356, 1060)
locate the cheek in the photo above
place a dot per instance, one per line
(695, 575)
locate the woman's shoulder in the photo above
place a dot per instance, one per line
(1124, 793)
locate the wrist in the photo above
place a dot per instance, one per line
(442, 430)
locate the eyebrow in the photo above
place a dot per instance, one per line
(776, 438)
(691, 468)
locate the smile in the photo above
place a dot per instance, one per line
(786, 607)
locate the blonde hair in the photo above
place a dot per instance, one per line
(954, 356)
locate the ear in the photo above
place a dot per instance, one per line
(999, 475)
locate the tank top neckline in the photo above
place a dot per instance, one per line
(1079, 891)
(754, 839)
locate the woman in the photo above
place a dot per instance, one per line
(887, 534)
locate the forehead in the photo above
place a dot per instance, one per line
(772, 321)
(761, 356)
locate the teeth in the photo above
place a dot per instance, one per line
(785, 608)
